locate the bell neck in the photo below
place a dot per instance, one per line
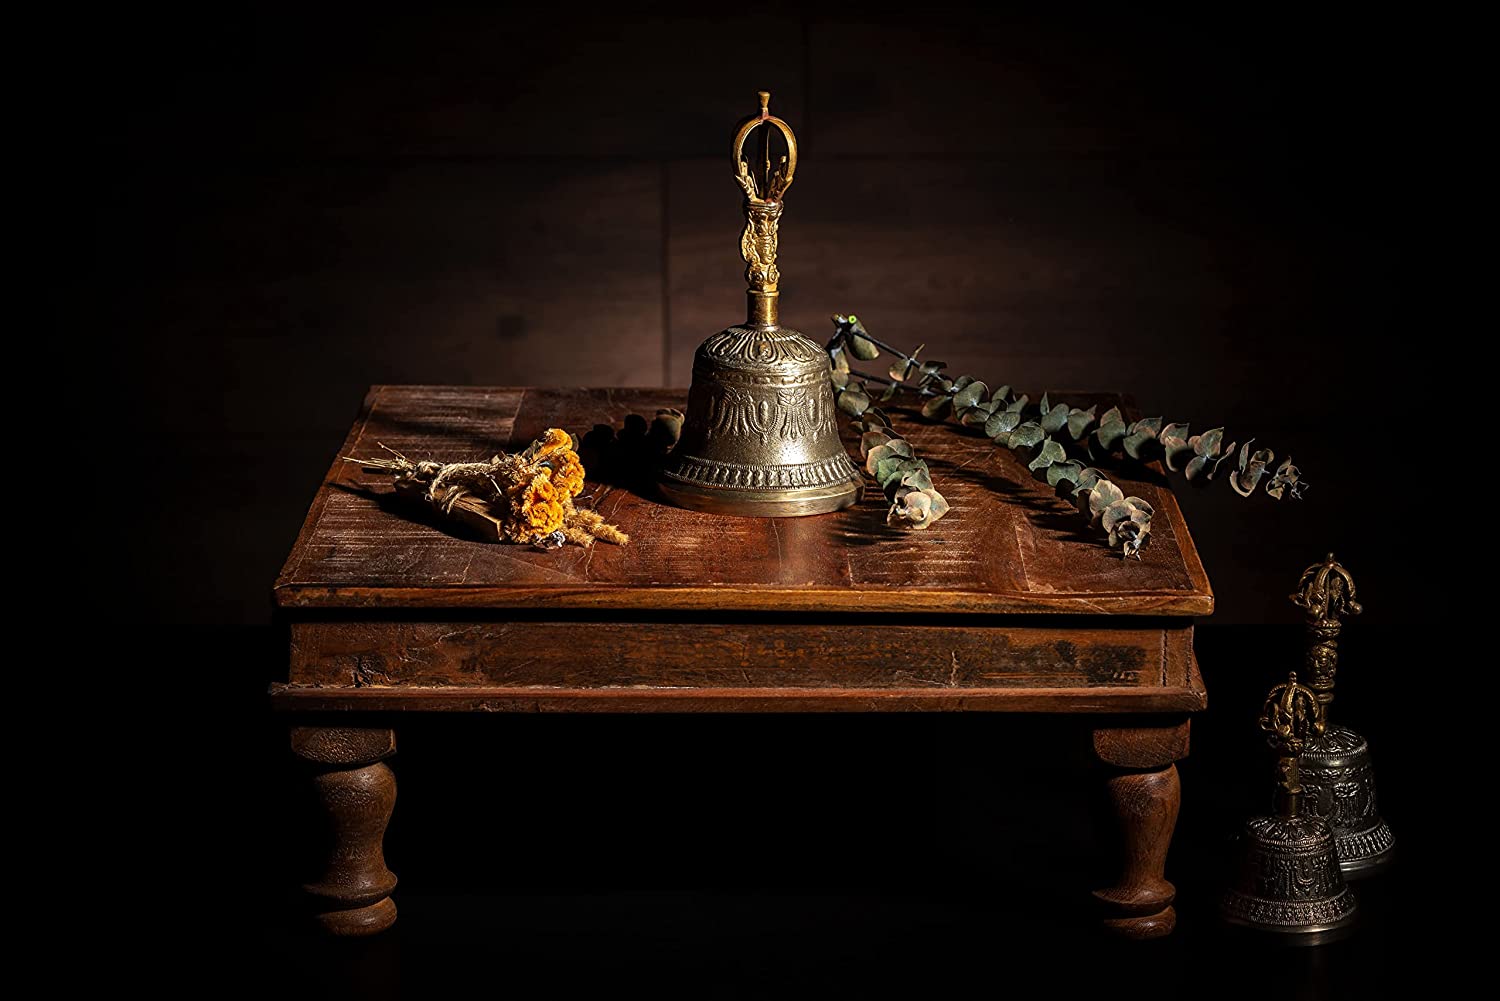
(761, 308)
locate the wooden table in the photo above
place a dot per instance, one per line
(1010, 604)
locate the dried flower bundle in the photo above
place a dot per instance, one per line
(1056, 440)
(525, 497)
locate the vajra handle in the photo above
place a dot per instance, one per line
(1292, 715)
(1326, 596)
(763, 186)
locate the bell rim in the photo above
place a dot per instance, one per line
(1235, 904)
(780, 503)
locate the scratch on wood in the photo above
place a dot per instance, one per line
(776, 534)
(953, 672)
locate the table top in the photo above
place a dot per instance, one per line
(1007, 546)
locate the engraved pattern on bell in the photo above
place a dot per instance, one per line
(1289, 879)
(761, 417)
(1339, 787)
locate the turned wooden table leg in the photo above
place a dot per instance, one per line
(1145, 792)
(357, 793)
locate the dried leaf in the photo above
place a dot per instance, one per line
(854, 401)
(1063, 472)
(870, 439)
(1102, 496)
(859, 344)
(1079, 422)
(1051, 451)
(1026, 435)
(1054, 420)
(1018, 404)
(1175, 447)
(1252, 468)
(936, 406)
(1286, 480)
(875, 456)
(1142, 433)
(969, 394)
(1001, 423)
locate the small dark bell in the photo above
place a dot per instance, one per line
(1336, 770)
(1289, 879)
(1339, 788)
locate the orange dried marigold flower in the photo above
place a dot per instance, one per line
(545, 517)
(553, 440)
(567, 472)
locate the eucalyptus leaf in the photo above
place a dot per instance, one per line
(920, 478)
(1026, 435)
(969, 394)
(1049, 453)
(854, 401)
(1001, 423)
(888, 467)
(1174, 444)
(1018, 404)
(1117, 512)
(962, 382)
(973, 416)
(1063, 472)
(1252, 468)
(859, 344)
(936, 406)
(1079, 422)
(1053, 420)
(1102, 496)
(875, 456)
(870, 439)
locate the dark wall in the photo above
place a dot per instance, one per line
(288, 209)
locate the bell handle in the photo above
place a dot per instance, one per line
(763, 204)
(1291, 716)
(1326, 595)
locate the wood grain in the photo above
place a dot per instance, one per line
(1007, 546)
(297, 698)
(760, 654)
(356, 792)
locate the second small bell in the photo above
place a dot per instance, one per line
(761, 436)
(1289, 879)
(1336, 768)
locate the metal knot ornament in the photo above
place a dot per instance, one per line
(761, 436)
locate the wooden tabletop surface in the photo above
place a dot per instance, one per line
(1007, 546)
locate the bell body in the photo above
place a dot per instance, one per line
(1339, 787)
(1289, 879)
(761, 436)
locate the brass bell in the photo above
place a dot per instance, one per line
(1336, 769)
(1289, 879)
(761, 436)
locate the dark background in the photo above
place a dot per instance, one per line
(1213, 214)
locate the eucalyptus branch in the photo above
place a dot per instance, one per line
(1055, 440)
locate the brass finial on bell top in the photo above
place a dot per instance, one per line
(761, 436)
(1289, 879)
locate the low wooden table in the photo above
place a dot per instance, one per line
(1010, 604)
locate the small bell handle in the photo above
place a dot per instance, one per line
(1292, 715)
(1326, 596)
(763, 204)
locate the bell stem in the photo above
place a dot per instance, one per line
(761, 308)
